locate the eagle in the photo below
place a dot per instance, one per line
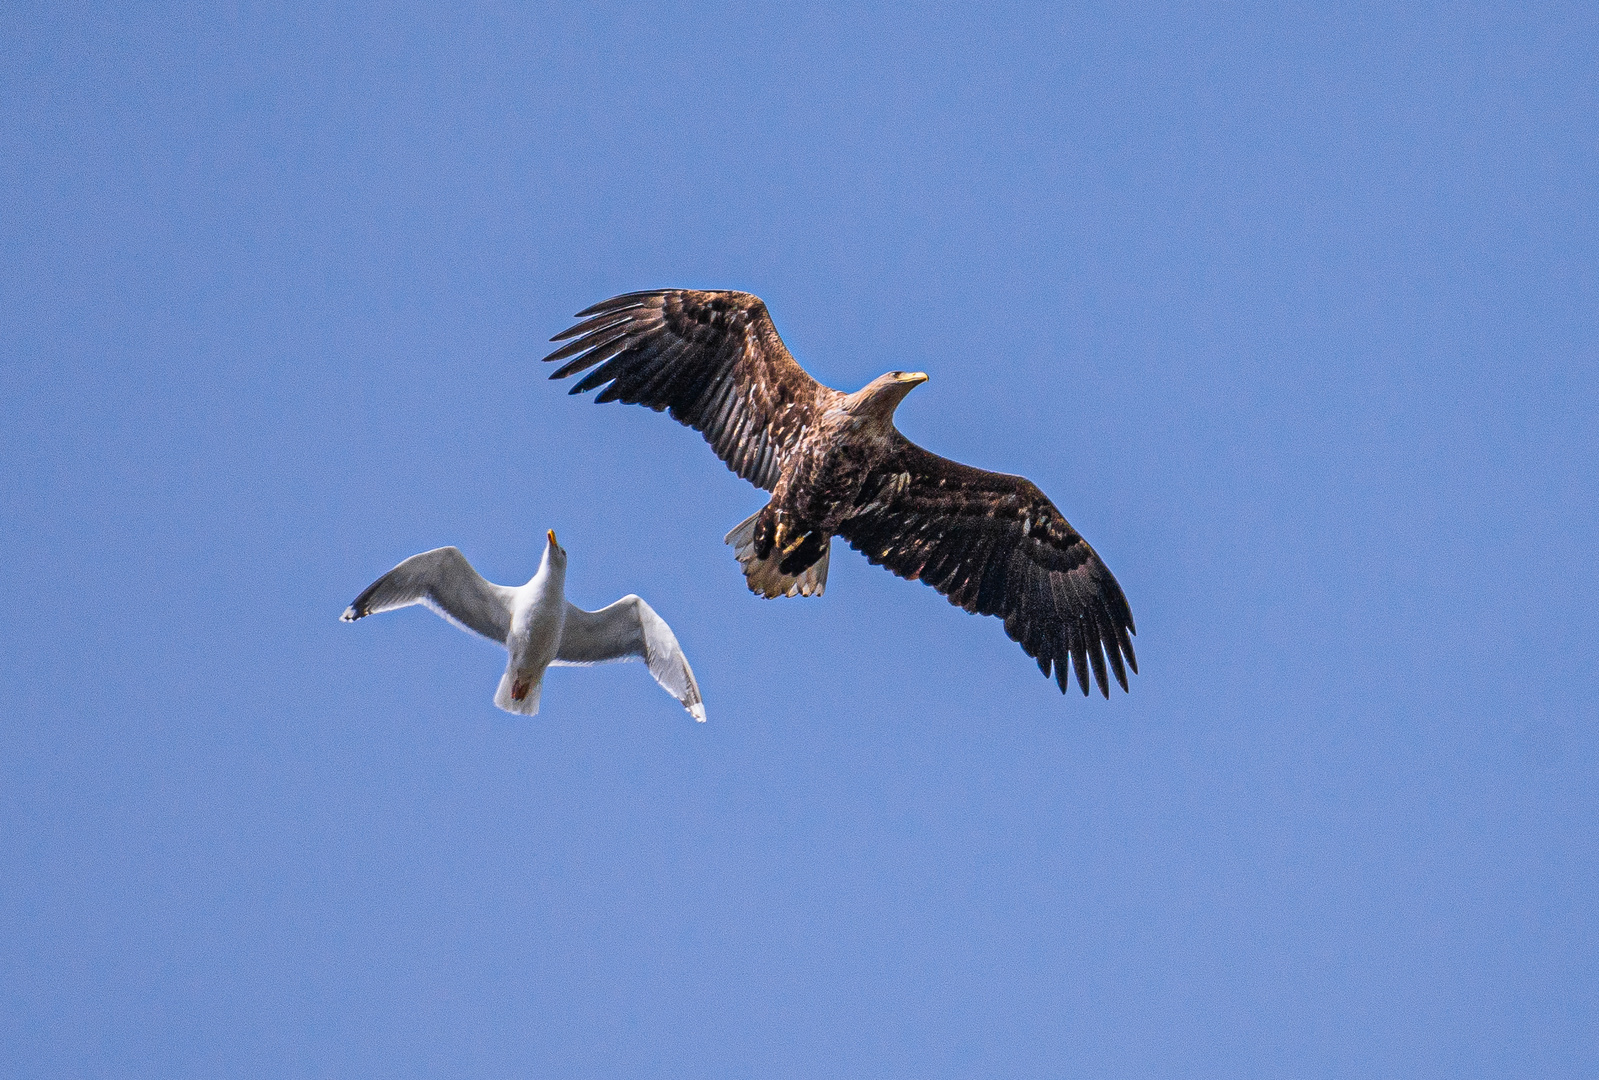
(836, 466)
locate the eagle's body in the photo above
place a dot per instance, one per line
(819, 489)
(836, 466)
(827, 472)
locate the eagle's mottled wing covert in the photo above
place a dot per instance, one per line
(712, 358)
(996, 545)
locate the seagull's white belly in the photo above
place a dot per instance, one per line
(536, 637)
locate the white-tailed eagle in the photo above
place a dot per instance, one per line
(835, 465)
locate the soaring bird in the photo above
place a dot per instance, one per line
(835, 465)
(535, 623)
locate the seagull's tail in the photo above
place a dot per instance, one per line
(518, 693)
(765, 577)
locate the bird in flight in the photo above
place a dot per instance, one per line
(835, 465)
(535, 623)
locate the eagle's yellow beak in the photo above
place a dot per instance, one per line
(552, 537)
(914, 377)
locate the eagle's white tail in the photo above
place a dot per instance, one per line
(511, 682)
(763, 576)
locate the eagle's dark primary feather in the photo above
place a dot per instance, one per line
(713, 358)
(994, 544)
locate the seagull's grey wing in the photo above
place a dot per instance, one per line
(444, 581)
(627, 630)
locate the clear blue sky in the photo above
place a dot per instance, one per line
(1293, 310)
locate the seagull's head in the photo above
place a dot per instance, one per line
(554, 553)
(878, 399)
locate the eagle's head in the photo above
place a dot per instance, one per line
(878, 399)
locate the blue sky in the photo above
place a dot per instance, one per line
(1291, 309)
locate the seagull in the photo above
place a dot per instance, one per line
(535, 623)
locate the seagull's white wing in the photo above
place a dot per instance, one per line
(444, 581)
(626, 630)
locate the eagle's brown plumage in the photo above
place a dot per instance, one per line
(992, 543)
(713, 358)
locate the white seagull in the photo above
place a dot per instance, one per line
(534, 623)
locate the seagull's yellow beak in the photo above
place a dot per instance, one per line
(552, 537)
(914, 377)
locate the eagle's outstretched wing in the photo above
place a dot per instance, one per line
(996, 545)
(713, 358)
